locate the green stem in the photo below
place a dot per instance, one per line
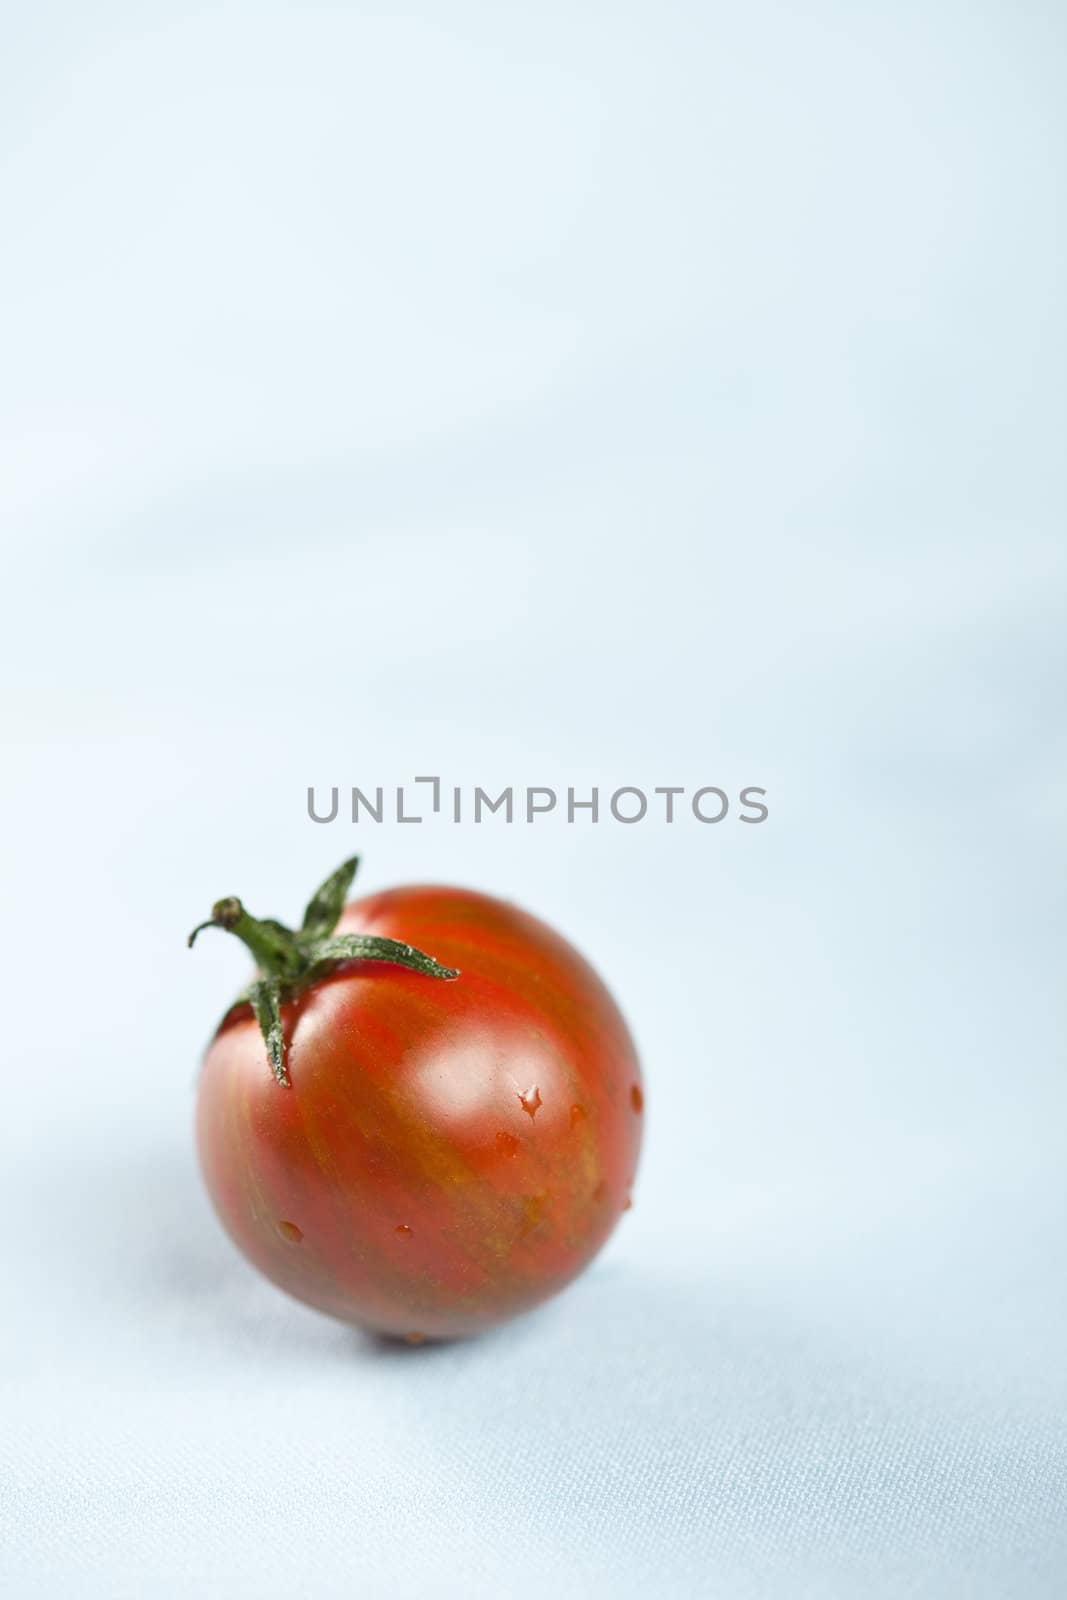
(274, 949)
(289, 962)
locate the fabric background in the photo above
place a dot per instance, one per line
(546, 395)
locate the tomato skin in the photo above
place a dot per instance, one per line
(450, 1153)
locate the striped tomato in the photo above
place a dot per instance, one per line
(424, 1115)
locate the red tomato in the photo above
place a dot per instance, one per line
(447, 1153)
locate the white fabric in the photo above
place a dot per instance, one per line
(546, 395)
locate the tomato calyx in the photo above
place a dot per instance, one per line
(290, 960)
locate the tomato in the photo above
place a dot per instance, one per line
(432, 1154)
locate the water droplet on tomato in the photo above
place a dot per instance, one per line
(402, 1231)
(530, 1101)
(578, 1114)
(290, 1232)
(637, 1099)
(507, 1143)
